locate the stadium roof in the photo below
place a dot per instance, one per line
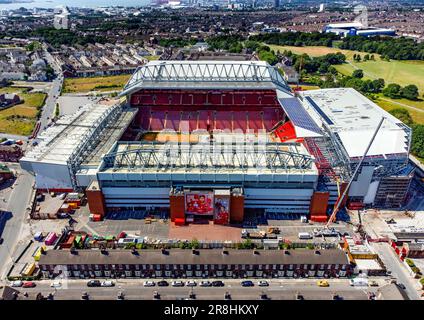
(206, 157)
(206, 75)
(58, 142)
(302, 121)
(353, 119)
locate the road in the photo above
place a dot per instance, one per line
(53, 94)
(393, 264)
(281, 289)
(16, 204)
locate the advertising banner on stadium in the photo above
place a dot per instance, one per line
(200, 203)
(222, 207)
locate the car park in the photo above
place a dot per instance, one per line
(263, 283)
(107, 283)
(247, 283)
(149, 284)
(93, 283)
(163, 283)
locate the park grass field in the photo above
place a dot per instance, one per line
(314, 51)
(412, 106)
(108, 83)
(394, 71)
(21, 119)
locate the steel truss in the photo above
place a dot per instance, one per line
(176, 71)
(232, 157)
(90, 140)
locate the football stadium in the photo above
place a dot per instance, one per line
(217, 140)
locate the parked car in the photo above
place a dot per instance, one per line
(107, 283)
(323, 283)
(55, 284)
(177, 283)
(17, 283)
(247, 283)
(94, 283)
(402, 286)
(163, 283)
(373, 283)
(28, 284)
(217, 283)
(263, 283)
(84, 296)
(149, 284)
(205, 283)
(191, 283)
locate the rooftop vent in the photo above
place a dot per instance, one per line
(255, 252)
(73, 250)
(224, 251)
(165, 252)
(317, 252)
(286, 252)
(194, 251)
(104, 251)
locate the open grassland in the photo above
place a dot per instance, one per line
(20, 119)
(314, 51)
(394, 71)
(415, 108)
(109, 83)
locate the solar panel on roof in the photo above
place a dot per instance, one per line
(319, 110)
(298, 114)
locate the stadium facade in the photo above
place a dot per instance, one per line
(218, 139)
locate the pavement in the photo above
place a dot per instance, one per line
(399, 271)
(15, 206)
(278, 289)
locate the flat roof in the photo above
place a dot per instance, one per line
(353, 118)
(204, 256)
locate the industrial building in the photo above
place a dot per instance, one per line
(357, 29)
(219, 139)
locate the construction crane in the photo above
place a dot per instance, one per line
(341, 198)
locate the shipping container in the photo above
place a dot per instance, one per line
(51, 238)
(29, 270)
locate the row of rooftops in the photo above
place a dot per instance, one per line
(201, 256)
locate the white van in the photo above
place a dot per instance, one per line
(359, 282)
(304, 235)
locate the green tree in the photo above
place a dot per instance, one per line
(417, 145)
(410, 92)
(194, 244)
(358, 74)
(393, 90)
(403, 115)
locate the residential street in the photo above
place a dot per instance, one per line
(278, 289)
(15, 215)
(393, 263)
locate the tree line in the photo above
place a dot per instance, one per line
(393, 48)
